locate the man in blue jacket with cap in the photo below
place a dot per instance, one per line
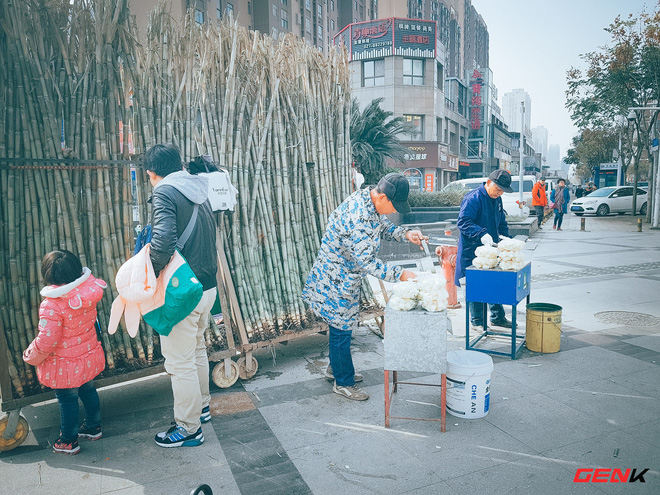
(481, 221)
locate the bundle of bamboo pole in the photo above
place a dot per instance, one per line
(274, 113)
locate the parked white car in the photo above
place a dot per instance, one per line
(610, 200)
(509, 200)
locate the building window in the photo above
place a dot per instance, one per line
(308, 4)
(332, 24)
(218, 9)
(319, 9)
(417, 121)
(230, 9)
(332, 5)
(355, 5)
(297, 18)
(438, 132)
(285, 2)
(284, 18)
(413, 72)
(308, 25)
(249, 8)
(373, 73)
(320, 31)
(441, 77)
(199, 16)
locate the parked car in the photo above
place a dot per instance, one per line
(509, 200)
(610, 200)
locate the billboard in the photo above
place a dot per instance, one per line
(387, 37)
(372, 39)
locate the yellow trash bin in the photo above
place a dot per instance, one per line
(543, 332)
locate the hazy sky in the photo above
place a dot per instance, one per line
(534, 42)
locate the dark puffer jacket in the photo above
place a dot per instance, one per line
(173, 201)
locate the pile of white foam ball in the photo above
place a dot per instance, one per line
(427, 292)
(507, 255)
(510, 254)
(486, 257)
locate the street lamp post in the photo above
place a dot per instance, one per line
(654, 183)
(521, 167)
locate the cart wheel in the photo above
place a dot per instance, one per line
(243, 373)
(22, 430)
(221, 379)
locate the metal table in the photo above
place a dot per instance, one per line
(496, 287)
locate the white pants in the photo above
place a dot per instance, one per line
(187, 363)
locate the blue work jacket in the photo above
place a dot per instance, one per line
(480, 214)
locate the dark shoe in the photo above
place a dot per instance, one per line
(206, 415)
(63, 447)
(93, 433)
(177, 436)
(331, 376)
(558, 228)
(504, 323)
(554, 227)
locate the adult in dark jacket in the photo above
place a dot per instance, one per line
(481, 221)
(175, 195)
(560, 197)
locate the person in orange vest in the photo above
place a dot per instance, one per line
(539, 199)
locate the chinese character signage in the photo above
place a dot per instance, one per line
(476, 105)
(421, 154)
(371, 39)
(387, 37)
(428, 182)
(414, 38)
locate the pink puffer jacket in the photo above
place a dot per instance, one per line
(66, 352)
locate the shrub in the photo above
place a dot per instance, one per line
(451, 197)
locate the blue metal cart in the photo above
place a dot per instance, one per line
(496, 287)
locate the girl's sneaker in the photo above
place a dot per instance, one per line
(91, 432)
(66, 447)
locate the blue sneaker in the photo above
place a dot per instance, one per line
(206, 415)
(177, 436)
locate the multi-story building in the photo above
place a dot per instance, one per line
(540, 138)
(400, 61)
(316, 21)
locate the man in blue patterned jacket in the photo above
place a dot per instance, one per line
(349, 251)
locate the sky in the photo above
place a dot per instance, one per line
(534, 42)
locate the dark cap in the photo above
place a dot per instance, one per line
(542, 179)
(396, 188)
(502, 178)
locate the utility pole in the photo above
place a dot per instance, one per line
(521, 166)
(656, 185)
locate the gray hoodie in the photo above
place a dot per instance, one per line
(173, 200)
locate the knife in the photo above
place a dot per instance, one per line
(426, 263)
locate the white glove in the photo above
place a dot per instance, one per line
(502, 237)
(486, 240)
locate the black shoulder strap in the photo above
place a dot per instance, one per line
(189, 228)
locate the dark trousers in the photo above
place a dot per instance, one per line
(340, 357)
(559, 216)
(540, 210)
(477, 315)
(68, 400)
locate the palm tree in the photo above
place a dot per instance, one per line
(374, 137)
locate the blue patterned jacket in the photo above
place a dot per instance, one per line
(349, 251)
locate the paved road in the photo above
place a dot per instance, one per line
(594, 404)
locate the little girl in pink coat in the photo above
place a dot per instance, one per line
(67, 353)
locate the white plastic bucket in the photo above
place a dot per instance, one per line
(468, 383)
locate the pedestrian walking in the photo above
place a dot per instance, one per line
(66, 352)
(579, 191)
(481, 220)
(560, 198)
(176, 196)
(349, 251)
(539, 200)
